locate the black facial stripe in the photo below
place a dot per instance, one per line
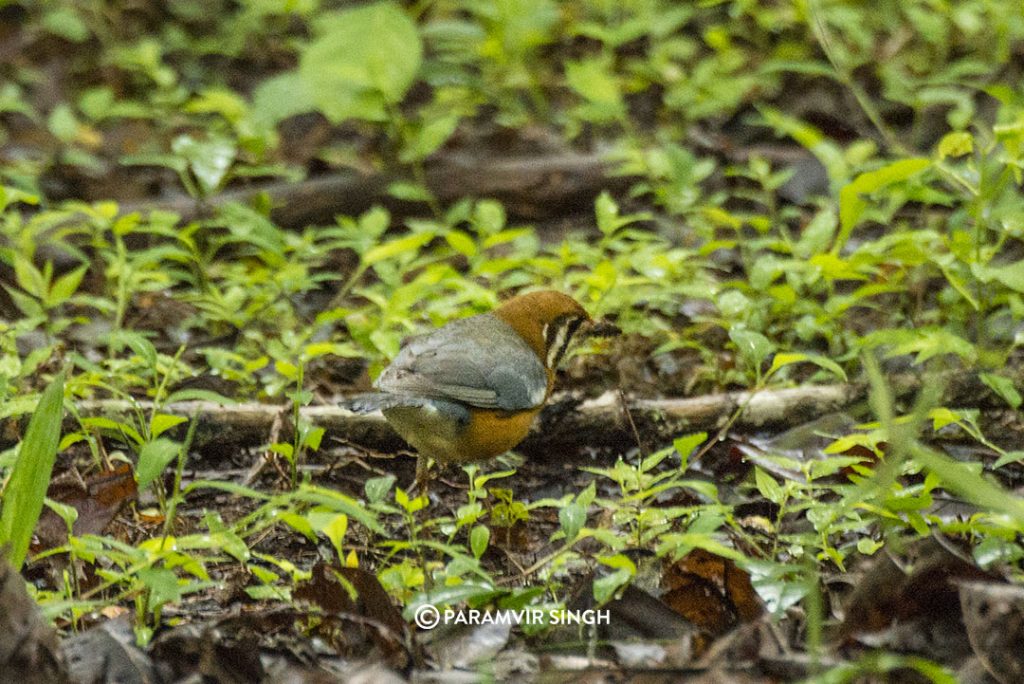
(570, 327)
(551, 332)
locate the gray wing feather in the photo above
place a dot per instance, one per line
(449, 363)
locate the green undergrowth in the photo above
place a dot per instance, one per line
(902, 254)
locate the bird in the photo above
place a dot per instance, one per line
(470, 390)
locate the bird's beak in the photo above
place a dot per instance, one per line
(600, 328)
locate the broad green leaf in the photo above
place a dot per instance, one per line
(769, 488)
(29, 278)
(162, 422)
(572, 518)
(163, 586)
(30, 476)
(153, 458)
(461, 242)
(595, 82)
(209, 159)
(376, 488)
(410, 192)
(956, 144)
(342, 503)
(64, 287)
(1002, 386)
(430, 136)
(817, 234)
(199, 395)
(333, 525)
(281, 96)
(478, 540)
(363, 61)
(1010, 275)
(686, 444)
(752, 345)
(605, 587)
(852, 203)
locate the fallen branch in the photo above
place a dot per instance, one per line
(530, 187)
(565, 426)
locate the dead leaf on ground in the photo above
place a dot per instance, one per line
(97, 499)
(710, 591)
(356, 597)
(994, 617)
(912, 604)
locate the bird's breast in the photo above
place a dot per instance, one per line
(451, 433)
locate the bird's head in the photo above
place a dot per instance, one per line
(549, 321)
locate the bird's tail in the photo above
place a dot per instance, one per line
(379, 401)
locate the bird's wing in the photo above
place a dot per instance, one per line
(480, 361)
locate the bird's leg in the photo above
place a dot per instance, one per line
(422, 483)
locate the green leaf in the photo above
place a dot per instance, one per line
(162, 584)
(29, 306)
(389, 250)
(956, 144)
(817, 234)
(572, 518)
(1010, 275)
(118, 428)
(62, 123)
(363, 60)
(30, 476)
(868, 546)
(686, 444)
(753, 346)
(310, 436)
(153, 458)
(64, 287)
(280, 97)
(461, 242)
(852, 204)
(478, 540)
(336, 501)
(29, 278)
(769, 488)
(1002, 386)
(162, 422)
(410, 192)
(376, 488)
(605, 587)
(785, 359)
(594, 81)
(409, 505)
(960, 478)
(489, 217)
(429, 138)
(333, 525)
(66, 23)
(925, 342)
(209, 159)
(1009, 457)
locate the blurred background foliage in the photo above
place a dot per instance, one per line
(817, 176)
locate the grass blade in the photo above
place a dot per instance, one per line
(23, 498)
